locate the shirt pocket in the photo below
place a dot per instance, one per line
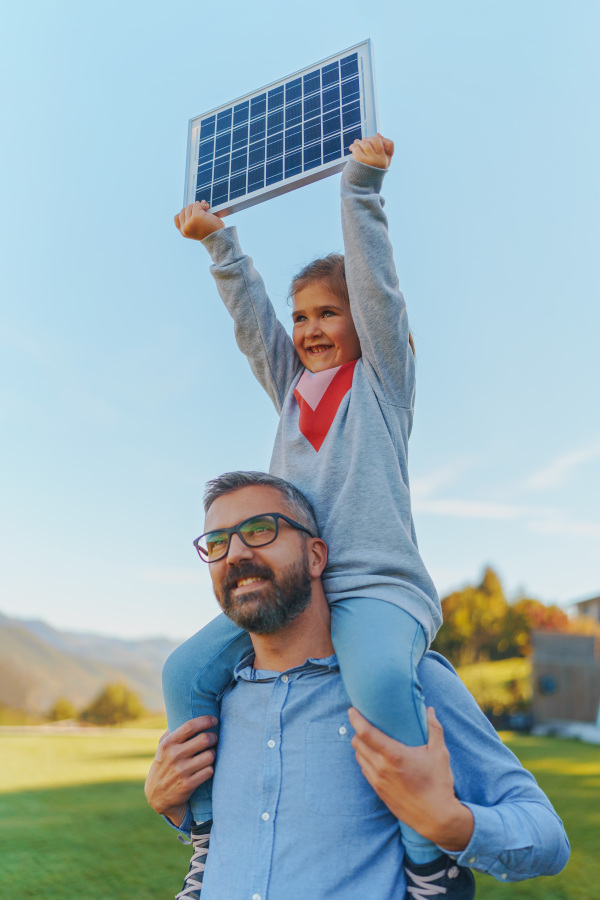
(333, 782)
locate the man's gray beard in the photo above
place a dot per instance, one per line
(272, 608)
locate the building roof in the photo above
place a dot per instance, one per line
(592, 601)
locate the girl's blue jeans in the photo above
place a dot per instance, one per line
(378, 646)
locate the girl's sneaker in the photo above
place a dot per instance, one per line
(439, 878)
(200, 836)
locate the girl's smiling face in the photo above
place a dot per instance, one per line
(324, 334)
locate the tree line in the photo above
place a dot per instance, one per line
(480, 624)
(113, 705)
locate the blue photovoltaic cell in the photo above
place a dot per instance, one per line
(258, 106)
(330, 74)
(223, 144)
(224, 121)
(276, 98)
(275, 121)
(349, 66)
(275, 146)
(304, 123)
(293, 90)
(331, 122)
(312, 131)
(275, 170)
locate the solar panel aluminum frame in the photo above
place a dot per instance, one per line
(368, 125)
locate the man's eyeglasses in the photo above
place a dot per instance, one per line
(258, 531)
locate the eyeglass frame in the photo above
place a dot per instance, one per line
(235, 529)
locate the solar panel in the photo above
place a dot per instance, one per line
(282, 136)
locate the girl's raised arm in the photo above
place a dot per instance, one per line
(377, 304)
(259, 333)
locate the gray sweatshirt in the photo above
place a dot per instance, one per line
(357, 481)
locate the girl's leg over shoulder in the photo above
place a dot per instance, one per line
(195, 676)
(379, 646)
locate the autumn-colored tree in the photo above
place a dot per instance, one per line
(473, 620)
(523, 617)
(115, 704)
(480, 624)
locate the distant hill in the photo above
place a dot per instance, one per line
(39, 664)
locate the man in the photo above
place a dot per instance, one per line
(294, 816)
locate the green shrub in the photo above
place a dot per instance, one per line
(502, 688)
(115, 704)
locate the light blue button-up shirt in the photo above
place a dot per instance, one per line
(294, 818)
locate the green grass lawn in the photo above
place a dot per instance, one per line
(74, 823)
(569, 773)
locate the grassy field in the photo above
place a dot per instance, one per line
(74, 823)
(569, 773)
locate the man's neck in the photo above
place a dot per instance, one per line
(307, 637)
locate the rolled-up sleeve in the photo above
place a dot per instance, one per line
(186, 825)
(516, 840)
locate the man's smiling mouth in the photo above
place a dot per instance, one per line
(251, 580)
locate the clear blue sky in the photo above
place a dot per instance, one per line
(111, 329)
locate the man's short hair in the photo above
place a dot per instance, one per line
(299, 507)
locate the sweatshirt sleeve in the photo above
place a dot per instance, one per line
(517, 834)
(377, 304)
(259, 333)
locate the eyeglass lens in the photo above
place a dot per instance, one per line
(255, 532)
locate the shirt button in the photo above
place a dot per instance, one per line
(270, 743)
(285, 678)
(255, 896)
(342, 729)
(504, 876)
(265, 817)
(473, 859)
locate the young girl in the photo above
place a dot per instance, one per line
(344, 388)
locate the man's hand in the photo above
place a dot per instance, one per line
(196, 222)
(374, 151)
(184, 760)
(415, 783)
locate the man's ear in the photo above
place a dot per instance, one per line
(317, 556)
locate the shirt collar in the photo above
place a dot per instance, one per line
(245, 670)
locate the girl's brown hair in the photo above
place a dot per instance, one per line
(330, 271)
